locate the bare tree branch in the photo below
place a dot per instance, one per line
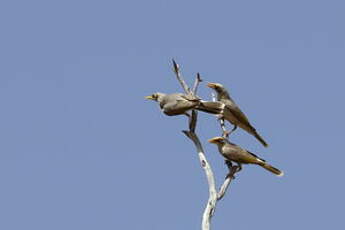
(180, 78)
(192, 124)
(213, 195)
(212, 200)
(196, 83)
(228, 179)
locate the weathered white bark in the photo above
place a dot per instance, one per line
(228, 179)
(212, 200)
(213, 195)
(180, 78)
(224, 187)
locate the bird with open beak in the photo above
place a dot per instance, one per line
(235, 153)
(179, 103)
(233, 113)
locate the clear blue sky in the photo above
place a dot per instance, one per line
(81, 148)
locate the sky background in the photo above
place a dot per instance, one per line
(81, 148)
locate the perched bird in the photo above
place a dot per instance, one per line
(233, 113)
(232, 152)
(179, 103)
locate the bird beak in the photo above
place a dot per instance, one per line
(149, 97)
(215, 140)
(211, 141)
(211, 85)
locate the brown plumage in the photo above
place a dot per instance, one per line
(179, 103)
(236, 154)
(233, 113)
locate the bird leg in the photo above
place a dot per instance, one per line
(222, 125)
(226, 133)
(239, 167)
(231, 131)
(228, 163)
(232, 169)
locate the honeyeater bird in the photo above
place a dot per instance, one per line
(235, 153)
(233, 113)
(179, 103)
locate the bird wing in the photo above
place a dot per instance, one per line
(238, 154)
(177, 105)
(236, 111)
(189, 97)
(256, 156)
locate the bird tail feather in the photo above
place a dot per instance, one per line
(213, 107)
(271, 169)
(262, 141)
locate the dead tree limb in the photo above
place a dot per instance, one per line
(214, 196)
(212, 200)
(228, 179)
(180, 78)
(196, 83)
